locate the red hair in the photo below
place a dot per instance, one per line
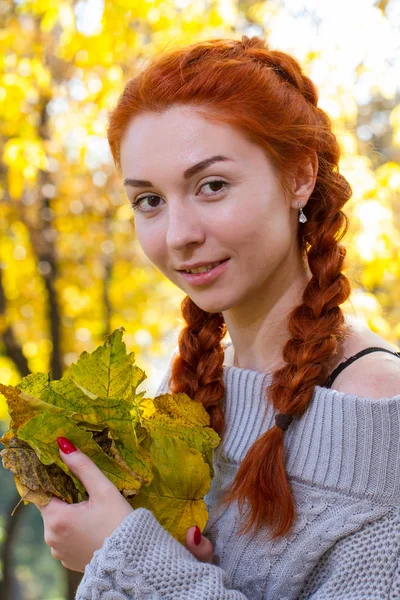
(264, 94)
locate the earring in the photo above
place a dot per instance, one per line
(302, 216)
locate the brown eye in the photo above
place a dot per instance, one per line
(152, 202)
(215, 186)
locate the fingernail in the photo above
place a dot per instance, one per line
(65, 445)
(197, 535)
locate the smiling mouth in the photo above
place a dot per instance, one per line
(203, 269)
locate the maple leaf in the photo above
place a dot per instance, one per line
(180, 443)
(181, 480)
(157, 452)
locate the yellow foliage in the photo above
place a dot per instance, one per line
(15, 182)
(62, 198)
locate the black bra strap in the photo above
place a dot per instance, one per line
(350, 360)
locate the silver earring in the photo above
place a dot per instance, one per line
(302, 216)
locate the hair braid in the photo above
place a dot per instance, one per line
(197, 370)
(317, 328)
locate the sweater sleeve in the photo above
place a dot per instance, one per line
(142, 561)
(395, 588)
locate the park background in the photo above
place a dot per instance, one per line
(71, 270)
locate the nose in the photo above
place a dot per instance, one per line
(184, 227)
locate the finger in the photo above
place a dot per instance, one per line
(55, 553)
(46, 508)
(94, 480)
(203, 551)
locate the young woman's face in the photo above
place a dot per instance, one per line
(202, 193)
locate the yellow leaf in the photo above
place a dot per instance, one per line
(15, 183)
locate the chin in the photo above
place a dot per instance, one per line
(211, 306)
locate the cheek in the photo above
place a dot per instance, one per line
(259, 234)
(151, 242)
(244, 226)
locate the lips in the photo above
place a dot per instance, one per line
(210, 264)
(203, 269)
(206, 277)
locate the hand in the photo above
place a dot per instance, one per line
(75, 531)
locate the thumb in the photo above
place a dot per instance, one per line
(83, 468)
(203, 550)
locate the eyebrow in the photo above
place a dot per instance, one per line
(187, 174)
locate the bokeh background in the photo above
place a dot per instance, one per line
(71, 270)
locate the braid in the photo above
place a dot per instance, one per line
(317, 329)
(197, 370)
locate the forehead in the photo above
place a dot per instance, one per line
(180, 136)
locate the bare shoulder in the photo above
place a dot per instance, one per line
(374, 375)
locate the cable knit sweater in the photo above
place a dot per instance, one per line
(343, 461)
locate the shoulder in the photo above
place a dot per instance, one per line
(374, 375)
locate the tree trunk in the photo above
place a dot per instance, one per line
(9, 589)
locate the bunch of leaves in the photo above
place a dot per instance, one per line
(157, 452)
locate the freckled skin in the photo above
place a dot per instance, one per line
(251, 221)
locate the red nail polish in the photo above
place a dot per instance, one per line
(65, 445)
(197, 535)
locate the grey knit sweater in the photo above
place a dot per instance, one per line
(343, 460)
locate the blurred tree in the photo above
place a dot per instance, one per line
(63, 217)
(70, 267)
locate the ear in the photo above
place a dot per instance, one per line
(303, 180)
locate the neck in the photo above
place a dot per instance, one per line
(259, 330)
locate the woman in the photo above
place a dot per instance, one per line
(232, 171)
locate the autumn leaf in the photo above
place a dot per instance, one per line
(45, 423)
(181, 480)
(177, 427)
(157, 452)
(109, 372)
(33, 476)
(177, 415)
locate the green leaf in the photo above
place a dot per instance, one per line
(109, 371)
